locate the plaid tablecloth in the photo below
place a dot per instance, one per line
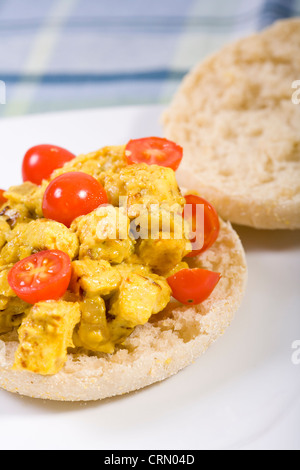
(72, 54)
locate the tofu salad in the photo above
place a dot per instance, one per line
(93, 246)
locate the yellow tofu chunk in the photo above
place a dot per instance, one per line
(45, 335)
(162, 255)
(38, 235)
(104, 235)
(143, 184)
(11, 306)
(4, 231)
(133, 266)
(15, 214)
(6, 291)
(179, 267)
(97, 164)
(28, 195)
(126, 270)
(137, 300)
(163, 243)
(92, 332)
(9, 322)
(94, 277)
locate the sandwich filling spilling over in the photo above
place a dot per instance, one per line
(95, 245)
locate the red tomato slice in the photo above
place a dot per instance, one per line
(2, 198)
(72, 194)
(193, 286)
(43, 276)
(211, 223)
(154, 151)
(40, 161)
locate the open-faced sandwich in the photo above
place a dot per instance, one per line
(111, 277)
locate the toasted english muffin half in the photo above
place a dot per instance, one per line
(171, 341)
(237, 118)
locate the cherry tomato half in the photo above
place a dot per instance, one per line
(211, 223)
(43, 276)
(40, 161)
(72, 194)
(193, 286)
(2, 198)
(154, 151)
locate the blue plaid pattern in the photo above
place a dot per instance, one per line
(73, 54)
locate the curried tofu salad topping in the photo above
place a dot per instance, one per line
(93, 246)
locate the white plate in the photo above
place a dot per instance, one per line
(244, 393)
